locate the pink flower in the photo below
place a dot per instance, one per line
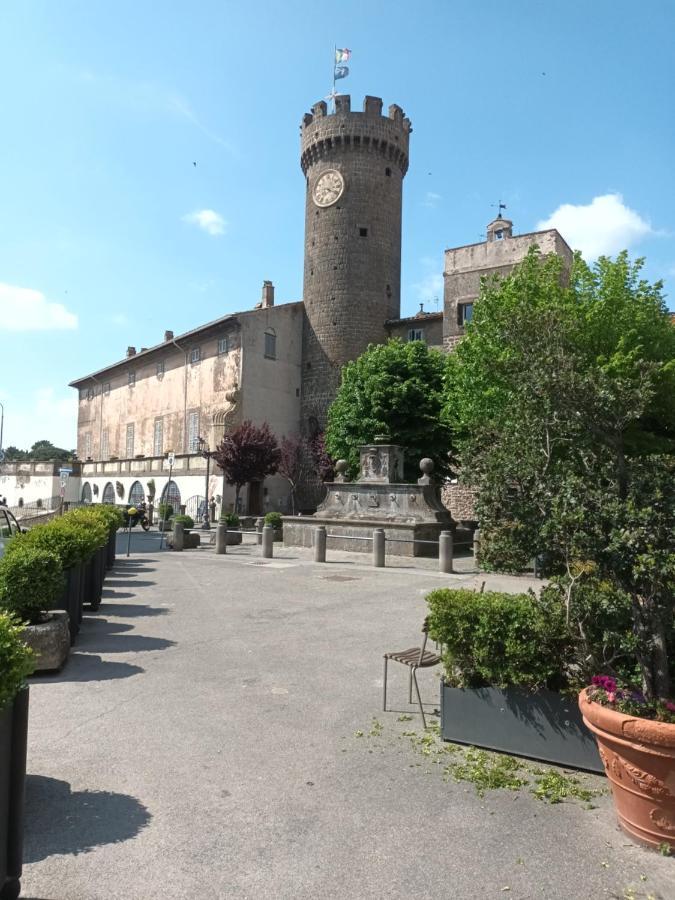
(611, 696)
(670, 706)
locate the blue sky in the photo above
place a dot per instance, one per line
(109, 234)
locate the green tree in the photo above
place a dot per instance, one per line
(395, 389)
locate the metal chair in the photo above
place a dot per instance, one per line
(415, 658)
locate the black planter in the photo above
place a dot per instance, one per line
(13, 739)
(71, 599)
(110, 550)
(94, 570)
(541, 725)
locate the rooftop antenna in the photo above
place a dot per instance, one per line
(436, 301)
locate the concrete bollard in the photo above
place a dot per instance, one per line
(476, 545)
(178, 536)
(320, 544)
(259, 525)
(445, 551)
(221, 537)
(267, 542)
(378, 547)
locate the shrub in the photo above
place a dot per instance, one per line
(231, 520)
(165, 511)
(90, 519)
(111, 516)
(31, 580)
(500, 639)
(274, 519)
(16, 659)
(186, 521)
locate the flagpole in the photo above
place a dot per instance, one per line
(334, 62)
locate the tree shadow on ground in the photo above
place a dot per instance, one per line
(59, 821)
(113, 594)
(135, 610)
(87, 667)
(103, 636)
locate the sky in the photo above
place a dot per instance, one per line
(110, 234)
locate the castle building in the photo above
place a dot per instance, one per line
(281, 363)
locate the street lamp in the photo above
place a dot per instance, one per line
(203, 450)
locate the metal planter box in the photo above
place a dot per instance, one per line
(540, 725)
(13, 739)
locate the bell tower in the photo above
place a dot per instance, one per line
(354, 164)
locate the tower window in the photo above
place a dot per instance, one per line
(363, 232)
(464, 313)
(499, 235)
(387, 172)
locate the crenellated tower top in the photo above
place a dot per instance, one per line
(327, 134)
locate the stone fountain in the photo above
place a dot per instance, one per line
(377, 499)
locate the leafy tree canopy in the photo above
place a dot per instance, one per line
(248, 453)
(393, 389)
(41, 450)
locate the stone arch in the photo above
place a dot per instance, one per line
(136, 493)
(108, 493)
(86, 492)
(171, 494)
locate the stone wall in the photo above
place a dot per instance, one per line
(460, 500)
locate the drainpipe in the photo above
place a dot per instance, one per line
(100, 424)
(182, 350)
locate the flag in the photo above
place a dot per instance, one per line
(342, 56)
(341, 72)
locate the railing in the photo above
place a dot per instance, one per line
(40, 510)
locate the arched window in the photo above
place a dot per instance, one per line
(86, 492)
(136, 494)
(109, 493)
(171, 494)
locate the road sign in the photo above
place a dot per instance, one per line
(171, 458)
(65, 472)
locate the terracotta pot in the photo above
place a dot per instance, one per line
(639, 759)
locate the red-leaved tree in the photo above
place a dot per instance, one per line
(248, 453)
(296, 463)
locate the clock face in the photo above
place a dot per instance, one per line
(328, 188)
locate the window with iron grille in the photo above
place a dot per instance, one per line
(130, 440)
(105, 444)
(136, 494)
(195, 354)
(158, 441)
(108, 493)
(193, 432)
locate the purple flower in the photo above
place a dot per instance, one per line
(670, 706)
(606, 682)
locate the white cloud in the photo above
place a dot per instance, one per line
(431, 199)
(208, 220)
(603, 227)
(429, 288)
(25, 309)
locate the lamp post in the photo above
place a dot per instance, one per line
(203, 450)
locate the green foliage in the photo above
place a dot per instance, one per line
(93, 520)
(16, 659)
(554, 787)
(31, 581)
(499, 639)
(487, 771)
(165, 511)
(231, 520)
(186, 521)
(41, 450)
(274, 519)
(110, 516)
(394, 389)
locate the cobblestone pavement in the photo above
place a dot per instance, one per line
(218, 733)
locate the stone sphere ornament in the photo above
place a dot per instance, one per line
(340, 469)
(426, 466)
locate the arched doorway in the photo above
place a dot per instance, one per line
(171, 495)
(108, 494)
(86, 492)
(136, 494)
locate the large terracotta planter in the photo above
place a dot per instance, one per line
(639, 759)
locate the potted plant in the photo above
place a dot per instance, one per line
(31, 581)
(275, 519)
(16, 662)
(506, 659)
(191, 540)
(233, 523)
(165, 514)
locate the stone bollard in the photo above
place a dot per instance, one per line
(320, 543)
(221, 537)
(476, 545)
(178, 536)
(445, 551)
(259, 525)
(267, 542)
(378, 547)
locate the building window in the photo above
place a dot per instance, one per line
(465, 313)
(195, 354)
(132, 379)
(105, 445)
(270, 344)
(108, 494)
(363, 232)
(416, 334)
(90, 393)
(387, 172)
(86, 492)
(158, 438)
(193, 432)
(87, 445)
(136, 494)
(499, 235)
(130, 440)
(106, 389)
(171, 494)
(222, 345)
(159, 369)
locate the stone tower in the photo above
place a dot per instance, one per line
(354, 164)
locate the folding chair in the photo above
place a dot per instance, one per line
(415, 658)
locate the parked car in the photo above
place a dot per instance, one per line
(8, 527)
